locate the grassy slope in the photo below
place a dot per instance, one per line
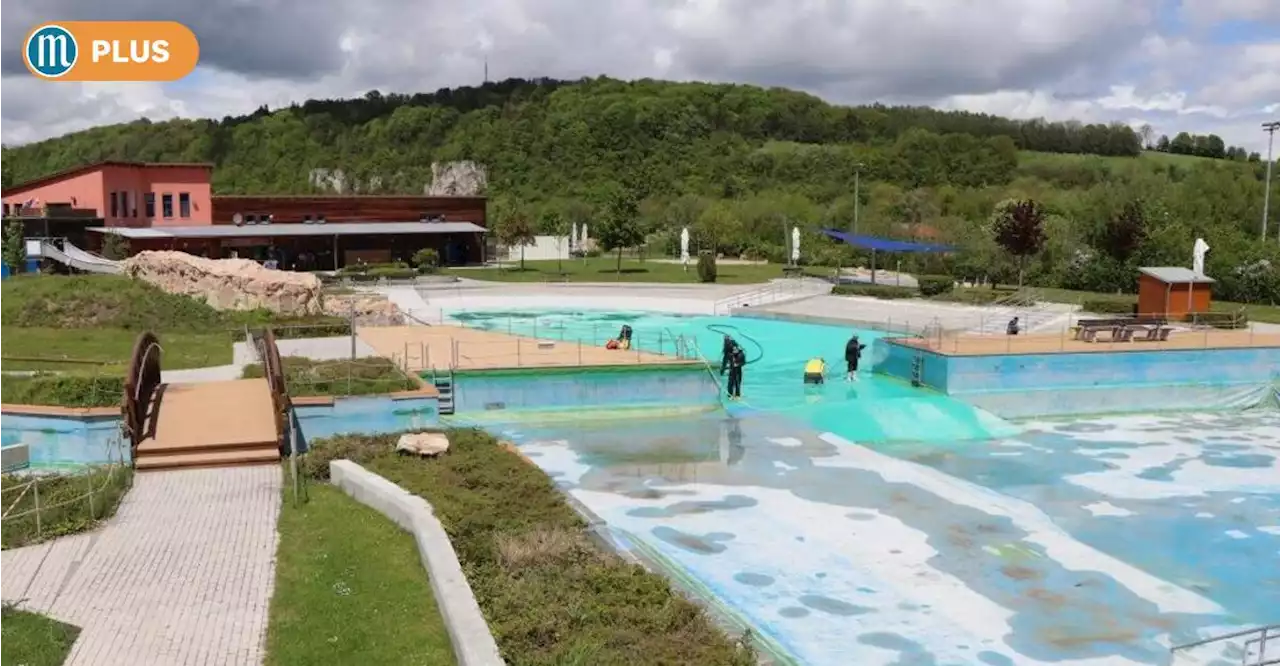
(350, 589)
(34, 640)
(65, 506)
(550, 595)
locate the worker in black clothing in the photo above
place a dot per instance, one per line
(852, 354)
(1012, 328)
(737, 361)
(726, 351)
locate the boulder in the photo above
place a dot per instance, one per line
(368, 309)
(228, 284)
(423, 443)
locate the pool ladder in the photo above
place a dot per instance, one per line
(444, 386)
(917, 369)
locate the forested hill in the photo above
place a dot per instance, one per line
(732, 161)
(548, 136)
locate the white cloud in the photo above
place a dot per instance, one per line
(1094, 60)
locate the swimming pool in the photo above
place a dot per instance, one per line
(879, 524)
(874, 409)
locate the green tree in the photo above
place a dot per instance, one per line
(114, 246)
(619, 228)
(1019, 230)
(15, 247)
(515, 230)
(1124, 233)
(716, 226)
(555, 223)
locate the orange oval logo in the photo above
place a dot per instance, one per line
(111, 51)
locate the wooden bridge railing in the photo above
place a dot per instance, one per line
(140, 387)
(273, 370)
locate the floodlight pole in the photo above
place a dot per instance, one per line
(1270, 128)
(857, 198)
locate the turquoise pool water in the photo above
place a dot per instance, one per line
(876, 523)
(873, 409)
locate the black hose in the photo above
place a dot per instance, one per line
(723, 329)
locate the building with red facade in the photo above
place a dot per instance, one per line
(172, 207)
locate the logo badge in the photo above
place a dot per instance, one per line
(51, 51)
(111, 51)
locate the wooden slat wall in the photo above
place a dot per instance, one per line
(288, 209)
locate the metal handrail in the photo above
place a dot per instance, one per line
(1261, 642)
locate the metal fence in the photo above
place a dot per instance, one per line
(1078, 336)
(38, 506)
(443, 352)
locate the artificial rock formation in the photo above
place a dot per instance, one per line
(423, 443)
(368, 309)
(229, 284)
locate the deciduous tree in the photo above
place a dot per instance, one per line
(619, 227)
(1019, 230)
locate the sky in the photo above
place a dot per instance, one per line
(1203, 66)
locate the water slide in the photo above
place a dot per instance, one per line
(71, 256)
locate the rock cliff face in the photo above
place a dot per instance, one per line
(228, 284)
(448, 179)
(457, 179)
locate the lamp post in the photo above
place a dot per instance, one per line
(857, 197)
(1270, 128)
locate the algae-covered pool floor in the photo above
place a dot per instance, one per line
(1096, 542)
(1093, 542)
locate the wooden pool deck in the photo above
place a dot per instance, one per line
(997, 345)
(420, 348)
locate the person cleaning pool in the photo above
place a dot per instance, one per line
(815, 371)
(852, 354)
(726, 351)
(737, 361)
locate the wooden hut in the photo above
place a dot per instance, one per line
(1172, 292)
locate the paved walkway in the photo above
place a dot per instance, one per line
(182, 574)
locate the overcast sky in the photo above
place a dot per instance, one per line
(1195, 65)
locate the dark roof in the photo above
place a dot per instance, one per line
(478, 197)
(1176, 275)
(86, 168)
(885, 244)
(294, 229)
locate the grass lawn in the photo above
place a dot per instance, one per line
(366, 376)
(65, 505)
(31, 639)
(350, 589)
(61, 349)
(605, 269)
(548, 592)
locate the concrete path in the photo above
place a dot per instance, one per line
(182, 574)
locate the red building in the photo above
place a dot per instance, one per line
(172, 206)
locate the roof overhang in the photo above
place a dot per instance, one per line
(1176, 275)
(294, 230)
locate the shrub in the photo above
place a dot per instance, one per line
(427, 260)
(884, 291)
(65, 506)
(932, 285)
(549, 593)
(366, 376)
(975, 296)
(706, 267)
(63, 390)
(1109, 306)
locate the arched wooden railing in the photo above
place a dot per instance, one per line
(273, 369)
(140, 387)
